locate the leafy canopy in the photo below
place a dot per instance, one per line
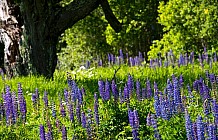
(188, 26)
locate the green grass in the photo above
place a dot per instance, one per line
(114, 117)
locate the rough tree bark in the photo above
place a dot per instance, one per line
(10, 33)
(45, 20)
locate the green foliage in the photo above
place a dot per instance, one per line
(85, 41)
(93, 37)
(188, 26)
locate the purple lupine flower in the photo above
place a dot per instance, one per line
(136, 119)
(173, 78)
(148, 120)
(200, 59)
(206, 106)
(100, 63)
(121, 96)
(201, 80)
(206, 94)
(157, 104)
(121, 55)
(212, 78)
(149, 90)
(160, 63)
(211, 132)
(181, 80)
(140, 57)
(70, 110)
(14, 107)
(166, 63)
(131, 61)
(48, 135)
(87, 64)
(131, 118)
(206, 55)
(1, 111)
(62, 110)
(155, 87)
(42, 132)
(168, 104)
(164, 108)
(186, 59)
(22, 103)
(66, 95)
(78, 112)
(191, 59)
(114, 90)
(136, 61)
(58, 125)
(135, 134)
(34, 100)
(8, 105)
(96, 109)
(64, 133)
(190, 95)
(169, 87)
(126, 93)
(72, 85)
(144, 96)
(200, 89)
(134, 123)
(80, 96)
(83, 115)
(130, 83)
(154, 125)
(45, 99)
(194, 127)
(181, 60)
(170, 96)
(53, 109)
(89, 124)
(215, 110)
(188, 126)
(195, 85)
(101, 90)
(107, 90)
(200, 128)
(177, 95)
(138, 90)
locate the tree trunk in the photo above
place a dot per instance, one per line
(10, 33)
(45, 20)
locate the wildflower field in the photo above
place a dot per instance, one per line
(124, 98)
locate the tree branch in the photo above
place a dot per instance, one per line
(79, 9)
(115, 24)
(75, 11)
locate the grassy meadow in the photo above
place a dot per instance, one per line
(144, 101)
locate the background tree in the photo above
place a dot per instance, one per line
(45, 20)
(140, 28)
(188, 26)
